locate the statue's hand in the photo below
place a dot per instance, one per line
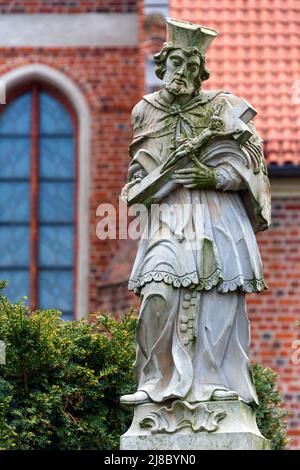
(136, 180)
(124, 193)
(182, 151)
(200, 176)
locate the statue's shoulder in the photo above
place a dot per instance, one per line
(227, 95)
(152, 98)
(234, 101)
(146, 110)
(140, 110)
(214, 97)
(147, 100)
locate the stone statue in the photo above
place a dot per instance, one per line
(197, 156)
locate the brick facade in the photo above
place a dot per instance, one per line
(274, 314)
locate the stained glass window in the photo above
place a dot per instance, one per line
(37, 200)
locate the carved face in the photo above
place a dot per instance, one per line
(181, 71)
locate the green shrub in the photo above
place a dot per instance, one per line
(270, 413)
(62, 381)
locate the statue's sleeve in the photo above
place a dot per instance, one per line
(254, 147)
(244, 168)
(229, 179)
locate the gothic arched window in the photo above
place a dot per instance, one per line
(38, 199)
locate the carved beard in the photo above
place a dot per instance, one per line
(185, 88)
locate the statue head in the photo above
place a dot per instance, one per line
(181, 70)
(181, 62)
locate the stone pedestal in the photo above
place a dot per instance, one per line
(179, 425)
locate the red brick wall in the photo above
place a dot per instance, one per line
(74, 6)
(274, 313)
(117, 300)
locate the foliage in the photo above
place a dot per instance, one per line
(62, 381)
(270, 413)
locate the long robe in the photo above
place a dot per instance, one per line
(197, 259)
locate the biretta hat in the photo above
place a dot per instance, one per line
(184, 34)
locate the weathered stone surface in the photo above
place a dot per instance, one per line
(228, 441)
(235, 428)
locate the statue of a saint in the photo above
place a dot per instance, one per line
(194, 269)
